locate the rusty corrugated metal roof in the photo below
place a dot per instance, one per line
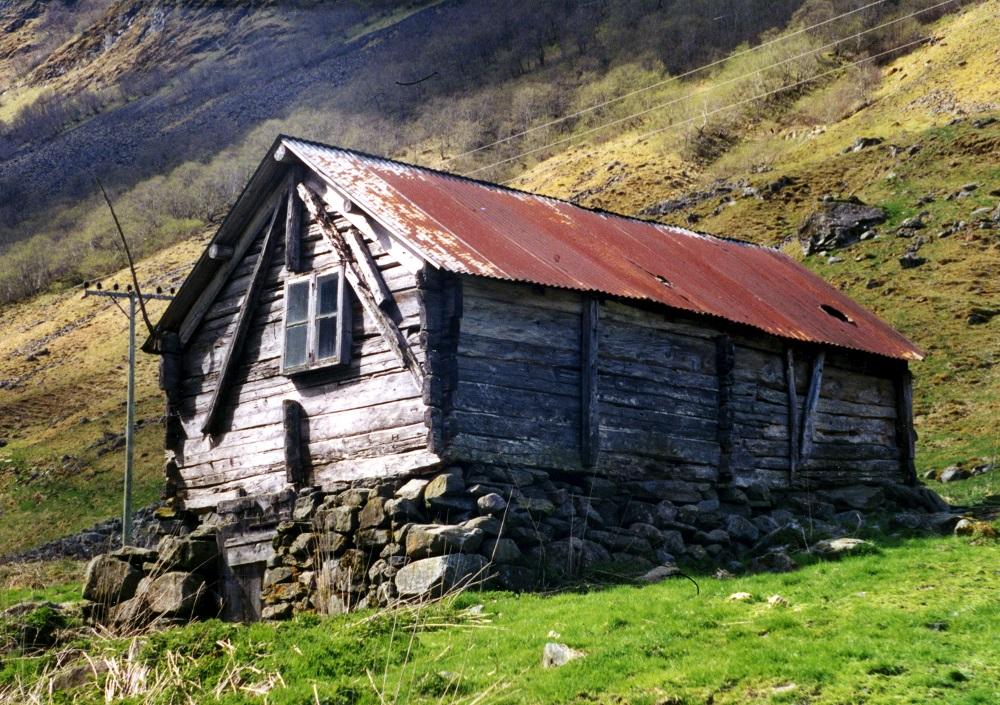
(471, 227)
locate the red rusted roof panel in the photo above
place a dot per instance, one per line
(472, 227)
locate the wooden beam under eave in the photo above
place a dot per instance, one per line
(809, 413)
(589, 417)
(235, 347)
(793, 416)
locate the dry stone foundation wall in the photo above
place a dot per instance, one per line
(376, 542)
(370, 545)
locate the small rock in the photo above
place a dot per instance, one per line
(911, 260)
(501, 550)
(953, 474)
(776, 601)
(740, 597)
(555, 655)
(836, 548)
(776, 561)
(929, 475)
(659, 573)
(412, 490)
(491, 503)
(445, 484)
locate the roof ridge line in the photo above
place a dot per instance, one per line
(510, 189)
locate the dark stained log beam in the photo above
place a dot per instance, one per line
(725, 364)
(793, 415)
(589, 416)
(809, 414)
(905, 435)
(295, 471)
(235, 347)
(394, 338)
(293, 225)
(220, 253)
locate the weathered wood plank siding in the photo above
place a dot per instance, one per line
(361, 419)
(853, 426)
(518, 396)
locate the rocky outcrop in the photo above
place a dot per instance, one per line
(837, 224)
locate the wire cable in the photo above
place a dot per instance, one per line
(612, 101)
(761, 96)
(702, 91)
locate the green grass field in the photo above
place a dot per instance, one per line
(917, 622)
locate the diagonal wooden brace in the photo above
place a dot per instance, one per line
(354, 271)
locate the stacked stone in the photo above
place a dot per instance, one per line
(133, 587)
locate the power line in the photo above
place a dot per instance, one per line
(612, 101)
(708, 89)
(761, 96)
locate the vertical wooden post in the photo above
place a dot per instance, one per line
(905, 435)
(812, 399)
(294, 467)
(589, 416)
(793, 416)
(725, 364)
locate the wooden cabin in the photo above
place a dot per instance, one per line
(357, 318)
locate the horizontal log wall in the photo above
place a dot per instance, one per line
(518, 395)
(853, 428)
(362, 419)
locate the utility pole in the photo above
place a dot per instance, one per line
(133, 299)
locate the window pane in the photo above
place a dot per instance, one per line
(298, 303)
(326, 334)
(327, 302)
(295, 345)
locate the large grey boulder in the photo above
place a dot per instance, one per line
(186, 554)
(174, 594)
(436, 576)
(838, 224)
(109, 581)
(426, 540)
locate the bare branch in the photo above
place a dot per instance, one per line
(128, 256)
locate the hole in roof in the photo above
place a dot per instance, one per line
(663, 280)
(836, 313)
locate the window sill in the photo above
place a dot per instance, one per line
(312, 367)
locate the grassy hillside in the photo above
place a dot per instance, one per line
(60, 411)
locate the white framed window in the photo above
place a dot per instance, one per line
(317, 322)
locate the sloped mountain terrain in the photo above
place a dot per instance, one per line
(172, 105)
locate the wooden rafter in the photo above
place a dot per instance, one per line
(354, 266)
(809, 413)
(244, 317)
